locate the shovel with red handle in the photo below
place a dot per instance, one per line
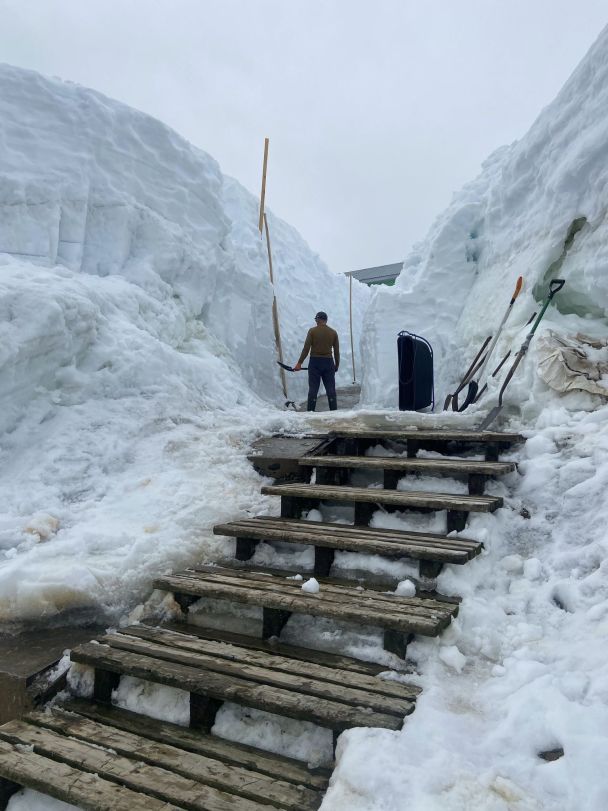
(474, 384)
(554, 287)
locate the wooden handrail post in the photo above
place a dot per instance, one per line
(263, 226)
(263, 194)
(275, 311)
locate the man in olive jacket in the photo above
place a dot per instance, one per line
(320, 342)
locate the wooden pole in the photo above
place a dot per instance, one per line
(275, 311)
(263, 194)
(352, 344)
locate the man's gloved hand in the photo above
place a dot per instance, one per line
(335, 367)
(297, 367)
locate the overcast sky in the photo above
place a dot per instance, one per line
(377, 111)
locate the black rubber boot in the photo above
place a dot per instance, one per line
(333, 403)
(312, 403)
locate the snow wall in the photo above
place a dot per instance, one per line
(92, 186)
(135, 308)
(538, 209)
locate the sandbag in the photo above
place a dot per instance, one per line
(574, 363)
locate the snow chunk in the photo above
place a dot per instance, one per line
(406, 589)
(311, 586)
(452, 657)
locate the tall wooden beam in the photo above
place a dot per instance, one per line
(263, 194)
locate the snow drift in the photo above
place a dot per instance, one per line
(521, 671)
(538, 209)
(136, 343)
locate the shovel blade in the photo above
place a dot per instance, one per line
(490, 418)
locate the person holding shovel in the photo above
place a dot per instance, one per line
(324, 347)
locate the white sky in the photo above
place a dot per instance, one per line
(377, 111)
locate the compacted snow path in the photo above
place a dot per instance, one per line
(213, 679)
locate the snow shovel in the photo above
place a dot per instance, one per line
(501, 364)
(290, 369)
(554, 287)
(474, 384)
(453, 398)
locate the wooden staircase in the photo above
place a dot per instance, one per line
(98, 756)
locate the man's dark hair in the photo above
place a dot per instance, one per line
(321, 316)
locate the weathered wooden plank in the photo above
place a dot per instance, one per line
(358, 583)
(139, 776)
(324, 528)
(263, 675)
(231, 779)
(269, 661)
(317, 531)
(311, 604)
(397, 498)
(332, 588)
(392, 548)
(328, 714)
(229, 752)
(333, 660)
(431, 434)
(414, 465)
(366, 601)
(73, 785)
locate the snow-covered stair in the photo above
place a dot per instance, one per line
(108, 759)
(215, 671)
(341, 600)
(101, 757)
(394, 467)
(296, 498)
(430, 549)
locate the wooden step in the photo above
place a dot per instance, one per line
(257, 761)
(403, 464)
(22, 767)
(377, 495)
(333, 660)
(355, 441)
(214, 672)
(296, 498)
(279, 597)
(151, 771)
(326, 538)
(432, 434)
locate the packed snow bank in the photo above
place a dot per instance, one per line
(537, 209)
(137, 352)
(523, 669)
(97, 187)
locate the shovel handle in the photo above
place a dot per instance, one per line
(555, 286)
(518, 286)
(516, 363)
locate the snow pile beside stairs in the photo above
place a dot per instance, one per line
(523, 669)
(531, 631)
(537, 209)
(136, 346)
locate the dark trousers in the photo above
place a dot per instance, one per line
(322, 369)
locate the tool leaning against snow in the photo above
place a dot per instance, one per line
(554, 287)
(480, 363)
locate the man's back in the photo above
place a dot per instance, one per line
(323, 340)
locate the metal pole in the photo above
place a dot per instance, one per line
(352, 345)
